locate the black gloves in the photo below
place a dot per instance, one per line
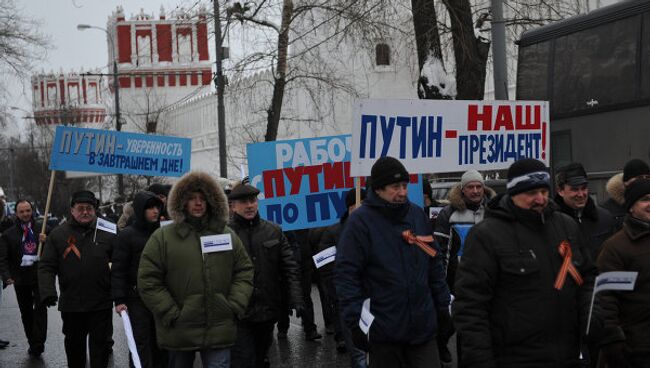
(360, 339)
(50, 301)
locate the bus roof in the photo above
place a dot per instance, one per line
(605, 14)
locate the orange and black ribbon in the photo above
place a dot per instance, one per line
(420, 241)
(72, 247)
(567, 266)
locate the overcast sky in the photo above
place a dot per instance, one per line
(73, 49)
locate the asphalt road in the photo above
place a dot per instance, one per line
(292, 352)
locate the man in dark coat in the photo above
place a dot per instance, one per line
(20, 245)
(124, 275)
(595, 222)
(516, 305)
(633, 169)
(624, 314)
(389, 279)
(273, 263)
(79, 254)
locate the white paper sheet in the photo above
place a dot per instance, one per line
(366, 317)
(129, 338)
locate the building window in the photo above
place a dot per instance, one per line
(382, 54)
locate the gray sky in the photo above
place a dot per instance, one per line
(73, 49)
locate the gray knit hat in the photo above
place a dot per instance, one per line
(470, 176)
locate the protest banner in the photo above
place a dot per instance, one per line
(303, 182)
(109, 151)
(436, 136)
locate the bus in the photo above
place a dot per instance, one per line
(594, 69)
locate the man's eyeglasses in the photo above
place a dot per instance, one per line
(82, 208)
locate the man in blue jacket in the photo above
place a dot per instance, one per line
(388, 279)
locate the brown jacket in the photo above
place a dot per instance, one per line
(626, 314)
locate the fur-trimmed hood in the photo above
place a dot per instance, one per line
(456, 200)
(192, 182)
(616, 189)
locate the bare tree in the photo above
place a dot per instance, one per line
(304, 27)
(20, 41)
(427, 40)
(455, 33)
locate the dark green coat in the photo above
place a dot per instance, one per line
(195, 298)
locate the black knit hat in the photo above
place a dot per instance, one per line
(635, 191)
(153, 201)
(351, 197)
(572, 174)
(83, 196)
(387, 170)
(241, 191)
(527, 174)
(634, 168)
(159, 189)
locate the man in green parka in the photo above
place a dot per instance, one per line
(195, 275)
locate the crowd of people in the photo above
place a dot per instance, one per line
(197, 269)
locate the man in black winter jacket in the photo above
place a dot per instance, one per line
(19, 246)
(147, 207)
(79, 254)
(274, 263)
(516, 304)
(595, 222)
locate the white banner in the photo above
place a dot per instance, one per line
(448, 136)
(105, 225)
(216, 243)
(615, 280)
(324, 257)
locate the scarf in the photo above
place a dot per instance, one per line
(28, 245)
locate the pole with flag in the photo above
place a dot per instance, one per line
(615, 280)
(104, 225)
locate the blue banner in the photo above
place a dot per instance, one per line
(303, 182)
(109, 151)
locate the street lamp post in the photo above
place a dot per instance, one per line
(116, 88)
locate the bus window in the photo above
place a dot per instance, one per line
(532, 72)
(645, 58)
(596, 67)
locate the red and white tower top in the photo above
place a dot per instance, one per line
(67, 98)
(163, 52)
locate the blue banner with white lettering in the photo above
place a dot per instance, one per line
(113, 152)
(303, 182)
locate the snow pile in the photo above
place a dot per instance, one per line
(437, 77)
